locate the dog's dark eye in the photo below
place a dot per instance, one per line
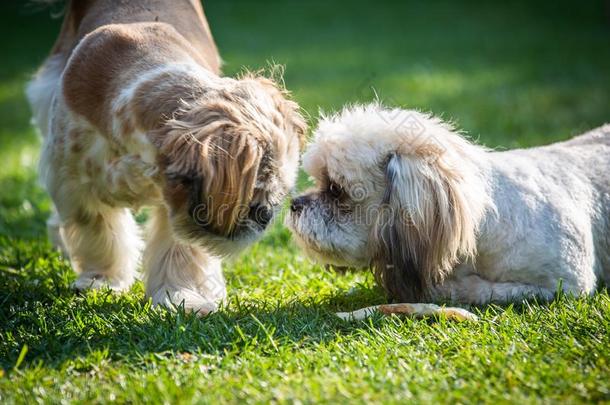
(182, 179)
(335, 190)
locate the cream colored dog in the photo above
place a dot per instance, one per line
(134, 112)
(440, 218)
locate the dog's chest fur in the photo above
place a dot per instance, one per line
(115, 172)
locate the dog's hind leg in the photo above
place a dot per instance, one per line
(178, 273)
(54, 232)
(104, 248)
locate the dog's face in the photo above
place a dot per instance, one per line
(390, 192)
(332, 222)
(228, 161)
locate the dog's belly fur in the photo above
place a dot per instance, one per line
(552, 222)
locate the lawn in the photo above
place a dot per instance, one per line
(512, 74)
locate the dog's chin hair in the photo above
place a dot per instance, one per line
(322, 256)
(219, 246)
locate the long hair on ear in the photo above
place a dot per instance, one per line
(218, 149)
(218, 138)
(291, 115)
(428, 220)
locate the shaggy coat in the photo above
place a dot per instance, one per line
(439, 218)
(133, 112)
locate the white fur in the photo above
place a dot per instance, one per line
(180, 273)
(92, 190)
(539, 217)
(41, 92)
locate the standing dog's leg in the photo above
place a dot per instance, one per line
(104, 247)
(178, 273)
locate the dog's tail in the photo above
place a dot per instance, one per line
(41, 90)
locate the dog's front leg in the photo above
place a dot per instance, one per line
(103, 244)
(475, 290)
(180, 274)
(130, 179)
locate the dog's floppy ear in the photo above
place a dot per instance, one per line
(218, 160)
(290, 110)
(424, 227)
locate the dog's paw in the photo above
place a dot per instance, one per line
(191, 300)
(94, 281)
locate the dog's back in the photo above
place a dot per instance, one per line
(83, 17)
(591, 152)
(598, 136)
(186, 16)
(557, 198)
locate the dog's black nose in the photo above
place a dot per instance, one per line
(299, 203)
(261, 214)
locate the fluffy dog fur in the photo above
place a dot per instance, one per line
(133, 112)
(438, 217)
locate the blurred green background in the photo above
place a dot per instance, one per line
(510, 73)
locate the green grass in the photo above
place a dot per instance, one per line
(512, 74)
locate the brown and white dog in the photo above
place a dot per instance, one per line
(133, 112)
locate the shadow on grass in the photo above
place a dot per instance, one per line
(60, 327)
(38, 310)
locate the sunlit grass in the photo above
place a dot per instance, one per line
(511, 74)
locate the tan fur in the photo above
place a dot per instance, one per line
(114, 55)
(215, 140)
(186, 16)
(208, 143)
(290, 118)
(134, 113)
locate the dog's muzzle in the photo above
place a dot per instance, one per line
(299, 203)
